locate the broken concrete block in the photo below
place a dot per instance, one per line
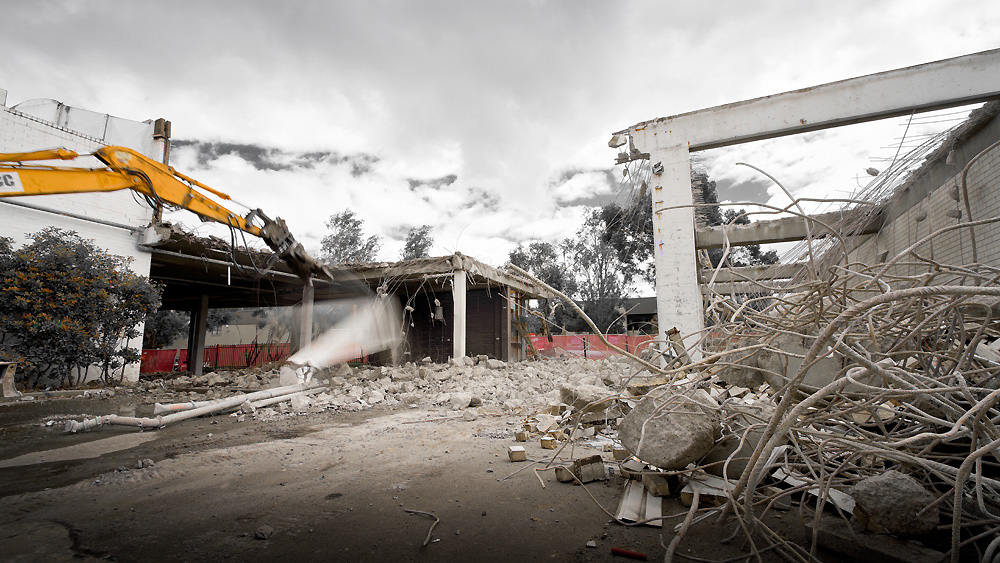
(521, 436)
(495, 364)
(892, 502)
(300, 403)
(459, 401)
(546, 423)
(264, 532)
(642, 387)
(548, 443)
(564, 475)
(656, 484)
(633, 469)
(580, 396)
(786, 363)
(517, 453)
(555, 409)
(619, 454)
(590, 469)
(671, 427)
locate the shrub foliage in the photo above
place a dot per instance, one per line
(66, 305)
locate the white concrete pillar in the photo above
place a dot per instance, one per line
(458, 291)
(678, 298)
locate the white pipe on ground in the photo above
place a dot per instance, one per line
(161, 421)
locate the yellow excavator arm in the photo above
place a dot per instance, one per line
(20, 175)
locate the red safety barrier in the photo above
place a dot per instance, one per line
(589, 346)
(221, 356)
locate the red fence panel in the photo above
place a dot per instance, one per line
(222, 356)
(589, 346)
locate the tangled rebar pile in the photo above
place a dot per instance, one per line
(885, 367)
(917, 392)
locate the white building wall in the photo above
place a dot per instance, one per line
(44, 124)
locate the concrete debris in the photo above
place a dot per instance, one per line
(590, 468)
(264, 532)
(637, 505)
(896, 503)
(672, 426)
(836, 535)
(656, 484)
(517, 453)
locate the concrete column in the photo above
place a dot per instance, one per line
(459, 322)
(678, 298)
(196, 337)
(304, 314)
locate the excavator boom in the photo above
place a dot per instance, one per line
(161, 184)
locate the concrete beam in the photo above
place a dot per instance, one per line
(930, 86)
(667, 143)
(785, 229)
(755, 273)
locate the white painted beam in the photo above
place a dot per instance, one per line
(785, 229)
(667, 142)
(941, 84)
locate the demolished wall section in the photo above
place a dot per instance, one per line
(942, 207)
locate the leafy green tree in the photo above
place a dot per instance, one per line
(629, 231)
(600, 278)
(543, 261)
(163, 328)
(66, 305)
(418, 243)
(346, 242)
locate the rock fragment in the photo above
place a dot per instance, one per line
(893, 502)
(671, 427)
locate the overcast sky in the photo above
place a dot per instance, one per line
(488, 121)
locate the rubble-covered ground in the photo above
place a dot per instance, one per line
(332, 477)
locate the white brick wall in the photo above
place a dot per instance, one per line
(954, 247)
(27, 130)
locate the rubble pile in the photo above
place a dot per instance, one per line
(883, 378)
(460, 384)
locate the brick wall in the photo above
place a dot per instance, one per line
(485, 332)
(924, 207)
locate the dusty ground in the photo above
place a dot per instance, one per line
(332, 486)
